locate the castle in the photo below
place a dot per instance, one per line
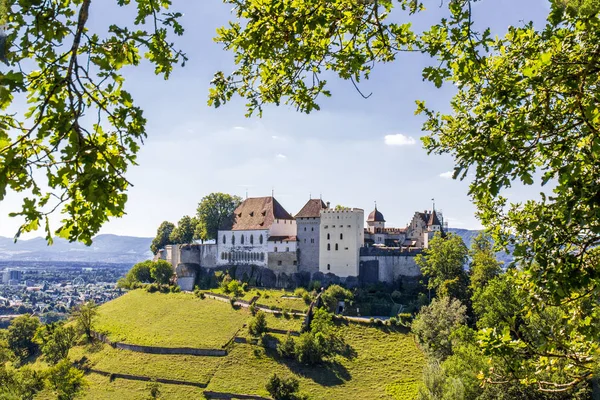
(318, 243)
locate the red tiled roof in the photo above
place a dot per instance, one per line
(312, 209)
(282, 239)
(258, 213)
(375, 216)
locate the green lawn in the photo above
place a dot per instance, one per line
(185, 368)
(169, 320)
(271, 297)
(385, 366)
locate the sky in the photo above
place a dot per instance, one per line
(353, 152)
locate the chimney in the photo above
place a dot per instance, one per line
(328, 203)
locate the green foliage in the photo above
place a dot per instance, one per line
(258, 325)
(161, 272)
(308, 349)
(334, 294)
(163, 236)
(19, 384)
(235, 288)
(215, 212)
(434, 324)
(185, 231)
(70, 149)
(85, 315)
(287, 348)
(55, 341)
(484, 265)
(284, 389)
(154, 389)
(21, 334)
(443, 263)
(65, 380)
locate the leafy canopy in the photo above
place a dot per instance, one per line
(215, 212)
(70, 150)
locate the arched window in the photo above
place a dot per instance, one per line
(328, 267)
(233, 239)
(341, 236)
(336, 247)
(242, 240)
(328, 236)
(262, 256)
(224, 240)
(328, 246)
(260, 239)
(251, 239)
(304, 229)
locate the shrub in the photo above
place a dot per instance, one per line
(202, 295)
(234, 287)
(252, 309)
(258, 325)
(175, 289)
(245, 287)
(284, 389)
(315, 285)
(334, 294)
(379, 322)
(225, 283)
(393, 321)
(287, 348)
(396, 296)
(154, 388)
(308, 350)
(372, 321)
(286, 314)
(405, 319)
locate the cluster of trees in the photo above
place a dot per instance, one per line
(482, 337)
(147, 272)
(214, 212)
(27, 338)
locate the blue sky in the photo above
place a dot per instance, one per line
(353, 152)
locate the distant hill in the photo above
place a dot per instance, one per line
(105, 248)
(468, 235)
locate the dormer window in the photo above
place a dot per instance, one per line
(252, 213)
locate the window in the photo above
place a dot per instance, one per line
(328, 236)
(251, 239)
(295, 262)
(325, 227)
(336, 247)
(287, 249)
(349, 226)
(242, 240)
(304, 240)
(232, 239)
(224, 240)
(262, 256)
(312, 229)
(304, 229)
(279, 262)
(328, 246)
(341, 236)
(275, 249)
(260, 239)
(328, 267)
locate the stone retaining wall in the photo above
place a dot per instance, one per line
(147, 379)
(230, 396)
(161, 350)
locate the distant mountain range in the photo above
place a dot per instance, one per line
(117, 249)
(104, 249)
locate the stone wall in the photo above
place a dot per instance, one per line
(285, 262)
(308, 244)
(391, 263)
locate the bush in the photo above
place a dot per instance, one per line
(258, 325)
(245, 287)
(284, 389)
(235, 288)
(378, 322)
(315, 285)
(397, 296)
(202, 295)
(286, 314)
(175, 289)
(308, 350)
(252, 309)
(334, 294)
(405, 319)
(372, 321)
(393, 321)
(287, 348)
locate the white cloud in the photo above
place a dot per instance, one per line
(274, 137)
(239, 128)
(281, 156)
(447, 175)
(399, 140)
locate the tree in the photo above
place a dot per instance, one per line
(20, 335)
(284, 388)
(215, 212)
(443, 263)
(82, 129)
(434, 324)
(140, 272)
(55, 341)
(20, 383)
(185, 231)
(484, 265)
(84, 316)
(161, 271)
(258, 325)
(65, 380)
(163, 236)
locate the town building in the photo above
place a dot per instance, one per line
(262, 227)
(377, 234)
(308, 221)
(11, 277)
(342, 234)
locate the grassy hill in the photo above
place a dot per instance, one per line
(385, 364)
